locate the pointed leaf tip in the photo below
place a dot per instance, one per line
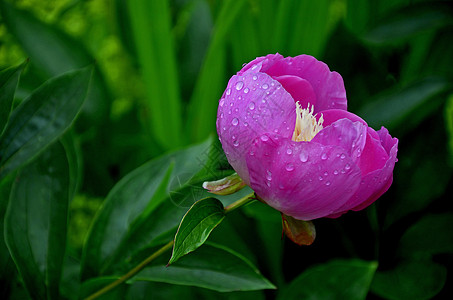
(196, 226)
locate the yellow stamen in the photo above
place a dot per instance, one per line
(306, 124)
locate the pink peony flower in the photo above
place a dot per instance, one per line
(284, 128)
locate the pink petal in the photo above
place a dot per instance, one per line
(270, 58)
(253, 104)
(344, 133)
(328, 86)
(305, 180)
(374, 183)
(300, 89)
(373, 155)
(332, 115)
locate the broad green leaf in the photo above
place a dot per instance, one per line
(196, 226)
(151, 27)
(9, 79)
(42, 118)
(410, 280)
(212, 267)
(7, 266)
(408, 106)
(140, 212)
(211, 82)
(54, 52)
(338, 279)
(36, 221)
(430, 235)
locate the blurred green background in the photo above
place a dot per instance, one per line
(161, 67)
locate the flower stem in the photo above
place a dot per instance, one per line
(240, 202)
(131, 273)
(159, 252)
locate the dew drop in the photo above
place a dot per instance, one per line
(228, 92)
(342, 156)
(320, 178)
(335, 172)
(269, 175)
(280, 186)
(325, 173)
(347, 167)
(221, 116)
(303, 157)
(246, 90)
(239, 85)
(235, 121)
(327, 183)
(236, 143)
(289, 151)
(264, 138)
(254, 77)
(268, 184)
(324, 156)
(252, 153)
(289, 167)
(246, 124)
(252, 105)
(222, 102)
(265, 86)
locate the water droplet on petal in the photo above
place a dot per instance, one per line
(221, 116)
(254, 77)
(320, 178)
(252, 105)
(342, 156)
(246, 124)
(228, 92)
(239, 85)
(289, 167)
(235, 121)
(335, 172)
(327, 183)
(265, 86)
(269, 175)
(303, 157)
(280, 186)
(324, 156)
(347, 167)
(264, 138)
(246, 90)
(289, 151)
(325, 173)
(268, 184)
(236, 143)
(222, 102)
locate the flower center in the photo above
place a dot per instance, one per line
(306, 124)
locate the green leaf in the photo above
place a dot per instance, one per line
(430, 235)
(211, 81)
(42, 118)
(409, 21)
(54, 53)
(338, 279)
(9, 79)
(151, 26)
(36, 221)
(196, 226)
(410, 280)
(212, 267)
(140, 212)
(408, 106)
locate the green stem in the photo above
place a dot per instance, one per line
(159, 252)
(131, 273)
(240, 202)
